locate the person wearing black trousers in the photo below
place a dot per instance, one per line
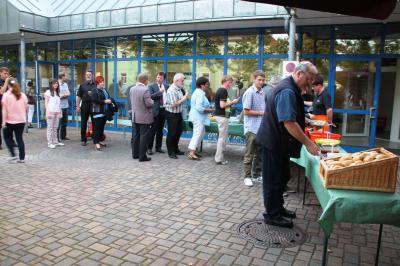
(157, 91)
(84, 96)
(100, 102)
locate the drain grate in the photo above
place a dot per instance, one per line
(259, 233)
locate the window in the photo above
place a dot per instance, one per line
(126, 77)
(104, 48)
(210, 43)
(276, 41)
(65, 50)
(47, 51)
(152, 67)
(242, 42)
(213, 69)
(106, 69)
(180, 44)
(152, 45)
(316, 40)
(82, 49)
(127, 47)
(357, 39)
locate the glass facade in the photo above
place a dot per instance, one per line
(347, 56)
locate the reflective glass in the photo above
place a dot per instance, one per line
(79, 73)
(241, 70)
(354, 85)
(357, 39)
(181, 66)
(392, 38)
(213, 69)
(104, 48)
(180, 44)
(2, 53)
(127, 47)
(12, 54)
(30, 52)
(272, 67)
(210, 43)
(47, 51)
(82, 49)
(242, 42)
(152, 67)
(65, 50)
(316, 40)
(153, 45)
(276, 41)
(66, 69)
(106, 69)
(126, 77)
(351, 125)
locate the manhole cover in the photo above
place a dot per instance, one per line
(259, 233)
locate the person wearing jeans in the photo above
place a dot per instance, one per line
(221, 103)
(64, 94)
(199, 116)
(253, 109)
(53, 114)
(14, 110)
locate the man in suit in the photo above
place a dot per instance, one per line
(157, 90)
(142, 117)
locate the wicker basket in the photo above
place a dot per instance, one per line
(372, 176)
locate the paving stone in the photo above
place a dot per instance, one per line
(134, 258)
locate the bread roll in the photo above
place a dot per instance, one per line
(345, 158)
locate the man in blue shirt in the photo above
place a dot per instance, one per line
(281, 136)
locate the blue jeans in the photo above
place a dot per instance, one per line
(276, 173)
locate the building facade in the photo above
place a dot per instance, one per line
(358, 58)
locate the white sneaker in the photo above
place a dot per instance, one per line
(258, 179)
(248, 182)
(20, 161)
(60, 144)
(225, 162)
(51, 146)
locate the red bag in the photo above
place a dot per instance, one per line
(89, 132)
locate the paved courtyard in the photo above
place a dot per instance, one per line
(77, 206)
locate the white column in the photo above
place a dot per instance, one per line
(23, 64)
(292, 35)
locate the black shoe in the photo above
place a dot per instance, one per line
(180, 152)
(30, 126)
(145, 159)
(149, 152)
(279, 221)
(173, 156)
(288, 214)
(84, 143)
(66, 138)
(134, 157)
(160, 151)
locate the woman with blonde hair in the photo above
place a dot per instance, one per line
(14, 111)
(53, 113)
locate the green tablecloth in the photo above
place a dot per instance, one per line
(350, 206)
(234, 129)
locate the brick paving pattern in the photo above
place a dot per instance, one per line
(77, 206)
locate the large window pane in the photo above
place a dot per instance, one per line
(210, 43)
(66, 69)
(351, 125)
(357, 39)
(126, 76)
(181, 66)
(104, 48)
(82, 49)
(272, 67)
(106, 69)
(65, 50)
(152, 67)
(180, 44)
(127, 47)
(79, 73)
(2, 53)
(30, 52)
(153, 45)
(322, 65)
(47, 51)
(392, 38)
(241, 70)
(213, 69)
(242, 42)
(12, 54)
(354, 85)
(316, 40)
(276, 41)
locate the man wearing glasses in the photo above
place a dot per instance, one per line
(84, 103)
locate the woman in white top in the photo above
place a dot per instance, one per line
(53, 113)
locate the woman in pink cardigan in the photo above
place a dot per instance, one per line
(15, 108)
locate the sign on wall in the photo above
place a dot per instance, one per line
(288, 67)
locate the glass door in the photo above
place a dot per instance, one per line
(355, 100)
(45, 72)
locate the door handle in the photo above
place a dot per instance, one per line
(371, 111)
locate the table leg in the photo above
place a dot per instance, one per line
(379, 244)
(325, 251)
(298, 178)
(201, 146)
(304, 190)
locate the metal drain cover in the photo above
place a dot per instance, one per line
(259, 233)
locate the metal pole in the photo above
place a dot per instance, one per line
(37, 92)
(292, 35)
(22, 71)
(378, 248)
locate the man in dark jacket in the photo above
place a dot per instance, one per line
(84, 95)
(157, 90)
(281, 136)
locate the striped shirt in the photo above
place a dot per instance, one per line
(173, 95)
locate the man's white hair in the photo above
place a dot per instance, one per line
(178, 76)
(306, 67)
